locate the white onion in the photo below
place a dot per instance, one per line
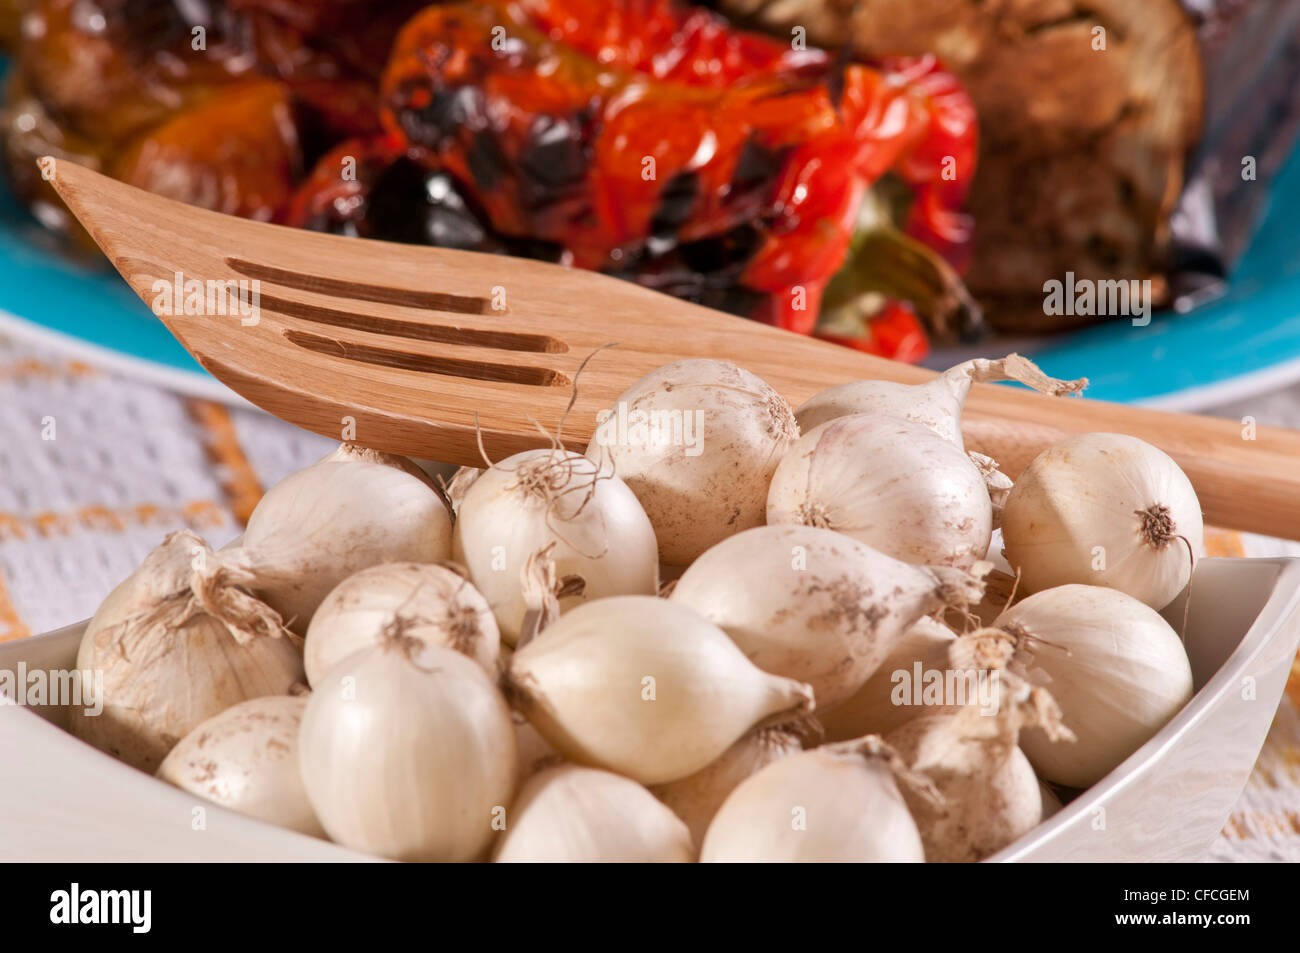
(1115, 667)
(936, 404)
(424, 601)
(577, 815)
(408, 752)
(644, 687)
(697, 797)
(890, 483)
(835, 804)
(351, 510)
(1104, 510)
(885, 701)
(246, 759)
(707, 478)
(814, 605)
(989, 792)
(592, 523)
(177, 642)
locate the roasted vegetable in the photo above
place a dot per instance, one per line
(647, 139)
(737, 191)
(1089, 111)
(222, 103)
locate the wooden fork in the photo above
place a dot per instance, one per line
(409, 349)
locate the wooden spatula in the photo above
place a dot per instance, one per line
(407, 349)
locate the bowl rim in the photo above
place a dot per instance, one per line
(105, 762)
(1283, 602)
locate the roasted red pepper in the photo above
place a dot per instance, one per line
(664, 39)
(940, 167)
(670, 41)
(664, 147)
(648, 139)
(893, 332)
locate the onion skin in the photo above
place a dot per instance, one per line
(931, 404)
(576, 815)
(1117, 670)
(168, 662)
(354, 509)
(246, 759)
(696, 500)
(590, 519)
(426, 602)
(411, 757)
(533, 752)
(937, 403)
(890, 483)
(849, 804)
(1075, 515)
(814, 605)
(990, 792)
(644, 688)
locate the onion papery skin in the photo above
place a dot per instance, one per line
(246, 759)
(1104, 510)
(422, 601)
(1117, 670)
(175, 645)
(410, 757)
(697, 797)
(576, 815)
(990, 792)
(593, 523)
(872, 709)
(699, 492)
(827, 805)
(890, 483)
(812, 604)
(349, 511)
(644, 688)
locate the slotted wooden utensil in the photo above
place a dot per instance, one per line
(414, 347)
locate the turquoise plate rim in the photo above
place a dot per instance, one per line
(1240, 344)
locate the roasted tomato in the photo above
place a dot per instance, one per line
(648, 139)
(371, 189)
(738, 189)
(236, 153)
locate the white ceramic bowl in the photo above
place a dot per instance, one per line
(60, 799)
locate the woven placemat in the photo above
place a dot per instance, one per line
(95, 468)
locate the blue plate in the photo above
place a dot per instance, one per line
(86, 309)
(1243, 343)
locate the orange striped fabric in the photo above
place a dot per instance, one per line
(238, 479)
(198, 515)
(11, 626)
